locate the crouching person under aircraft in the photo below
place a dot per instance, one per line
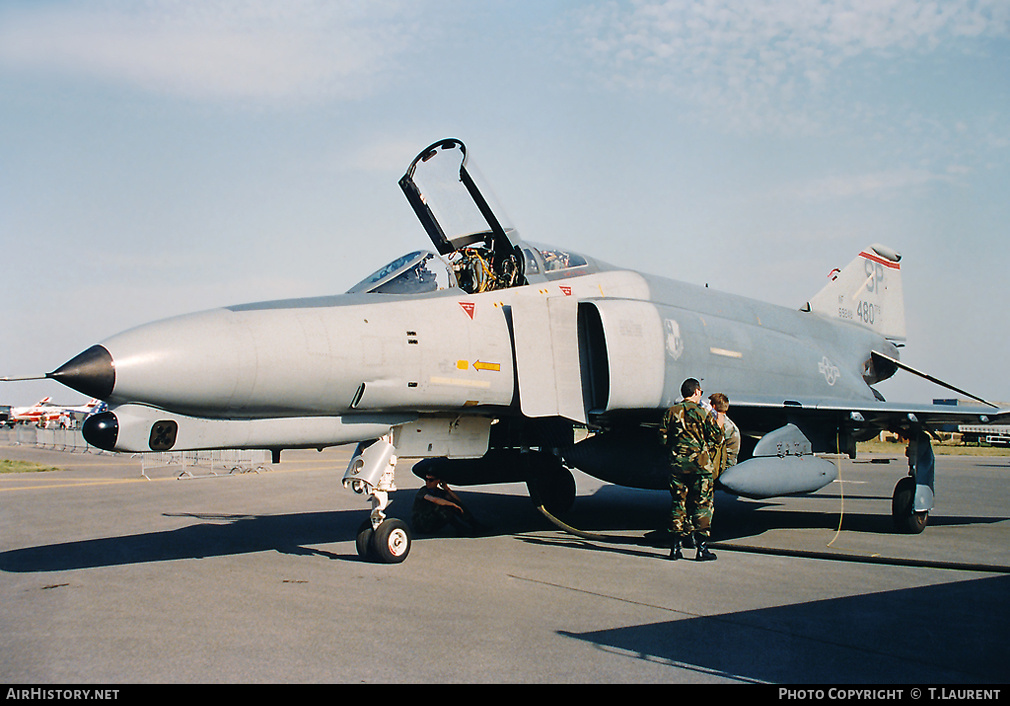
(435, 506)
(692, 438)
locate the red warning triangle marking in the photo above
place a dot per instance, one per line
(468, 308)
(566, 289)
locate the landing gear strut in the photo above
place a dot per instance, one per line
(371, 472)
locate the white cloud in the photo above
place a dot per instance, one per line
(881, 184)
(379, 155)
(757, 65)
(250, 50)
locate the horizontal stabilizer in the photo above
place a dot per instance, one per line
(897, 363)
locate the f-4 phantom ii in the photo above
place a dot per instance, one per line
(485, 356)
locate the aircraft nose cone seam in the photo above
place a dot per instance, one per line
(91, 373)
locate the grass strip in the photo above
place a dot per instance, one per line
(9, 466)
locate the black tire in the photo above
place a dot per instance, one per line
(555, 490)
(391, 541)
(363, 540)
(905, 520)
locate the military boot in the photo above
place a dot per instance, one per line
(675, 551)
(703, 553)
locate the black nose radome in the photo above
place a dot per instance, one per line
(101, 430)
(91, 373)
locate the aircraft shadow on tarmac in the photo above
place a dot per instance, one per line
(616, 508)
(610, 509)
(947, 633)
(230, 534)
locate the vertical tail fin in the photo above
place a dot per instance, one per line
(867, 292)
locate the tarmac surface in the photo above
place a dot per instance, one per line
(108, 577)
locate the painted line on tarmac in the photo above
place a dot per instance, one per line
(77, 484)
(55, 483)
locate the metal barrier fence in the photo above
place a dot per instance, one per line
(189, 464)
(56, 439)
(206, 463)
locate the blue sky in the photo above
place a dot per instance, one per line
(163, 157)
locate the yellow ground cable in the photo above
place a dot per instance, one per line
(571, 530)
(841, 487)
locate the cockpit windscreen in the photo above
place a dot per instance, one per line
(414, 273)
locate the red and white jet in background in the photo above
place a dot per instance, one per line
(41, 411)
(44, 412)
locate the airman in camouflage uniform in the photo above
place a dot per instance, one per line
(692, 437)
(730, 448)
(435, 506)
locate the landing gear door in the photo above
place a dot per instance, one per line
(456, 210)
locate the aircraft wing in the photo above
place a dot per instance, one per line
(820, 418)
(879, 415)
(892, 415)
(867, 417)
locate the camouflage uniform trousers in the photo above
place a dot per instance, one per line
(693, 491)
(429, 518)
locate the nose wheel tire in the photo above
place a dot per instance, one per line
(389, 543)
(554, 489)
(363, 541)
(906, 520)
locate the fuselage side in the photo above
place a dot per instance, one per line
(361, 353)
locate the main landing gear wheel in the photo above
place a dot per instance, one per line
(554, 489)
(905, 519)
(388, 543)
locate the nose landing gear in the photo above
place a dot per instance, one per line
(371, 473)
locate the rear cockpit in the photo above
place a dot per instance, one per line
(564, 263)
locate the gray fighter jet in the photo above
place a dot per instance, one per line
(486, 356)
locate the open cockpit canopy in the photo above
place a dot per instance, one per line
(462, 219)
